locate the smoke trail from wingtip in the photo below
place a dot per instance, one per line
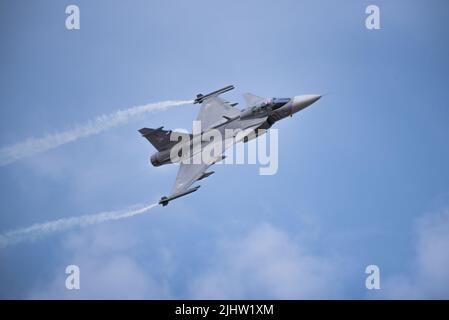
(41, 229)
(32, 146)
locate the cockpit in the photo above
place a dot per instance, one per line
(279, 102)
(272, 103)
(264, 107)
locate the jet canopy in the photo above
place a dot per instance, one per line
(272, 103)
(264, 107)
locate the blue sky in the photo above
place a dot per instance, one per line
(363, 175)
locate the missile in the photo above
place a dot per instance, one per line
(200, 97)
(165, 200)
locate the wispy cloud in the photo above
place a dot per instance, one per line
(41, 229)
(267, 264)
(428, 274)
(101, 123)
(110, 269)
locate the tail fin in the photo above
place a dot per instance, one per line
(159, 138)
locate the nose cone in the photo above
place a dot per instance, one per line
(301, 102)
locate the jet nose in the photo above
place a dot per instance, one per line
(301, 102)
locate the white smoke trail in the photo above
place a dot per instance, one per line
(41, 229)
(32, 146)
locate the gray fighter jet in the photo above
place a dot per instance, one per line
(218, 114)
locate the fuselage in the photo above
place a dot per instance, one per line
(272, 110)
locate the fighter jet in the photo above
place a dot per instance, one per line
(218, 114)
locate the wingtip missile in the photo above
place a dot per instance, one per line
(165, 200)
(201, 97)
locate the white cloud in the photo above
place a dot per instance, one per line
(263, 262)
(428, 276)
(266, 263)
(107, 270)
